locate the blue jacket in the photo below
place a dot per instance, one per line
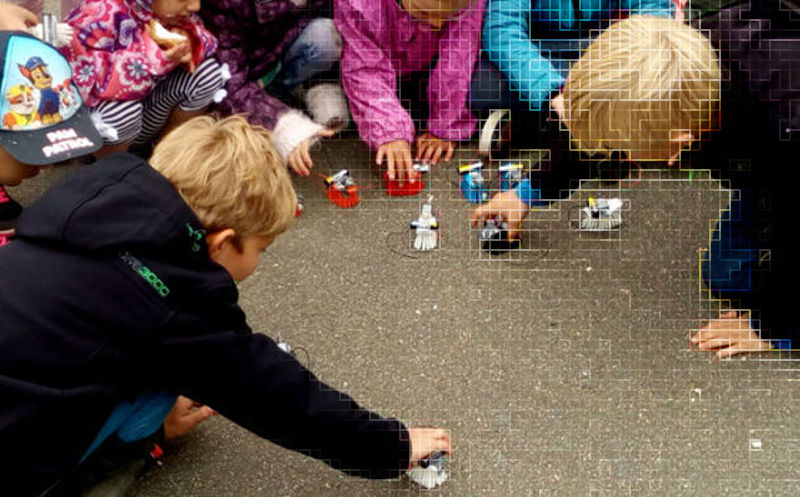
(514, 30)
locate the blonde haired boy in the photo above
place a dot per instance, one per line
(646, 86)
(132, 271)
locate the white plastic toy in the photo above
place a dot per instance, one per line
(51, 31)
(426, 228)
(601, 215)
(430, 472)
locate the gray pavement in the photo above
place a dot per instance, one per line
(562, 369)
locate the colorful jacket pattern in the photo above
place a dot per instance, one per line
(113, 57)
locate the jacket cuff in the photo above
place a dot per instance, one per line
(404, 451)
(528, 194)
(292, 129)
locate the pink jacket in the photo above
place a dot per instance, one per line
(113, 57)
(382, 42)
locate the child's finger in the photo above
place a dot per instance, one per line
(23, 16)
(451, 149)
(442, 441)
(297, 164)
(429, 151)
(400, 166)
(390, 164)
(514, 230)
(408, 165)
(306, 156)
(198, 416)
(478, 215)
(326, 133)
(716, 343)
(379, 157)
(437, 155)
(730, 352)
(703, 337)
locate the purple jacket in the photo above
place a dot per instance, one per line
(382, 42)
(253, 35)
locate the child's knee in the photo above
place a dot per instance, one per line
(323, 35)
(206, 84)
(119, 122)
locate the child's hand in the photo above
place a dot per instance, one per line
(506, 205)
(185, 415)
(730, 334)
(300, 158)
(424, 441)
(557, 106)
(16, 18)
(431, 148)
(180, 53)
(398, 159)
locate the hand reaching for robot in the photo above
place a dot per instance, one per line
(505, 205)
(299, 159)
(425, 441)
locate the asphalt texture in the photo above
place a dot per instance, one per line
(563, 368)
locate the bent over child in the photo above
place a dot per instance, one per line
(279, 52)
(106, 313)
(386, 39)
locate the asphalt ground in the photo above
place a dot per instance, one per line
(563, 368)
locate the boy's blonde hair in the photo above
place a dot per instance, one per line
(641, 82)
(230, 175)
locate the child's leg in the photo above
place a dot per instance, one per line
(126, 120)
(181, 96)
(123, 443)
(490, 90)
(315, 51)
(313, 55)
(132, 421)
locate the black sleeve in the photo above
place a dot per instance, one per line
(249, 380)
(758, 43)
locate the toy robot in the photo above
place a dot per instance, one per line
(430, 472)
(472, 182)
(342, 190)
(510, 175)
(494, 237)
(426, 229)
(601, 214)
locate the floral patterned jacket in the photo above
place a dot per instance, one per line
(111, 54)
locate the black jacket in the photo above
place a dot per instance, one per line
(756, 148)
(109, 292)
